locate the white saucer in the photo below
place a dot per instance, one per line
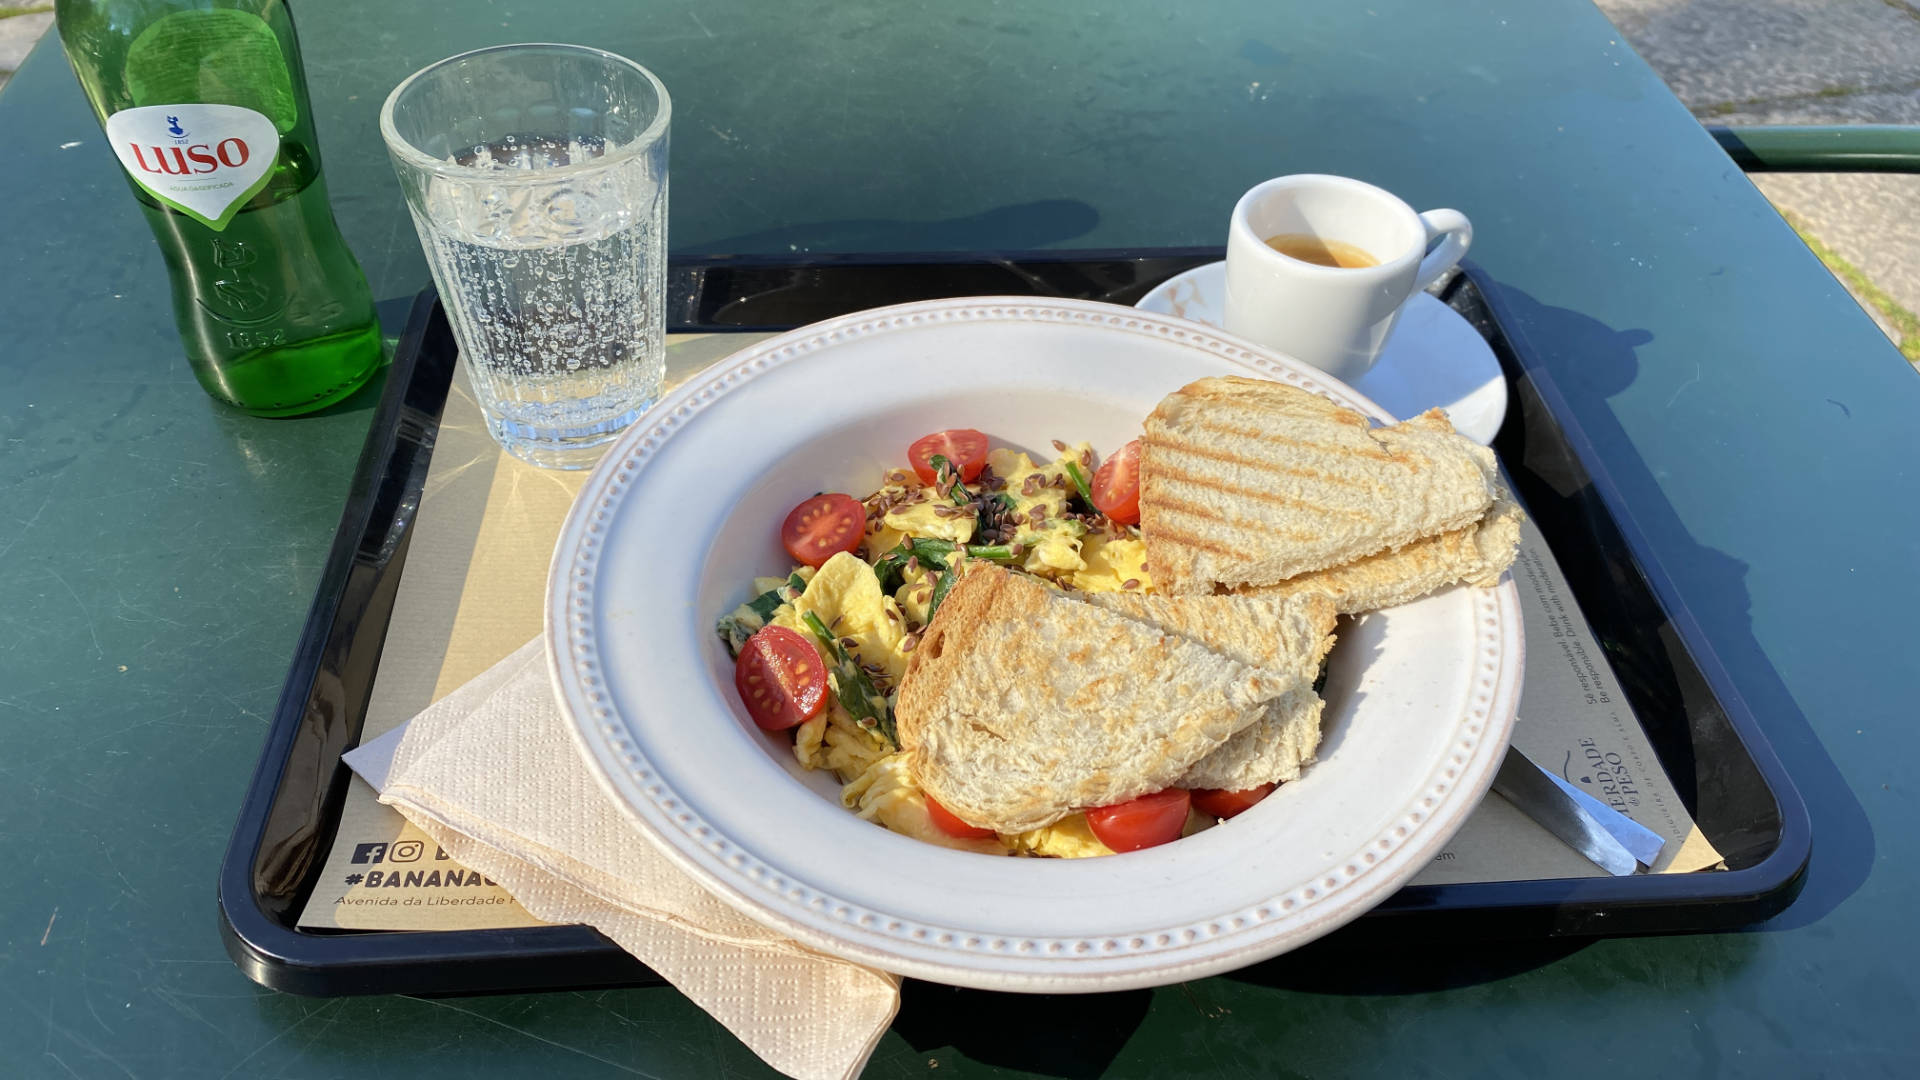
(1435, 357)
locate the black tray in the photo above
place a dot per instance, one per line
(1716, 755)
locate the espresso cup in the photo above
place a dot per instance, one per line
(1335, 318)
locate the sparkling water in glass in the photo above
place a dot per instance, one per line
(537, 178)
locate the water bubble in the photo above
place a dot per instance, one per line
(552, 285)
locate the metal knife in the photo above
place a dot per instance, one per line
(1613, 841)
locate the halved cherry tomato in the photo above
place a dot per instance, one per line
(965, 447)
(1145, 822)
(944, 820)
(1116, 485)
(1215, 802)
(822, 527)
(781, 678)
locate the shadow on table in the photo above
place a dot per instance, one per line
(1345, 964)
(1018, 227)
(1084, 1032)
(1592, 362)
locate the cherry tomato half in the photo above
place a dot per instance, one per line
(1215, 802)
(944, 820)
(822, 527)
(1116, 485)
(965, 447)
(781, 678)
(1145, 822)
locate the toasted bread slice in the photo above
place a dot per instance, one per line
(1475, 555)
(1251, 482)
(1021, 704)
(1286, 634)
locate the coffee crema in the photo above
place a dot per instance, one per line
(1320, 251)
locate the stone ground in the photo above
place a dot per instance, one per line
(1732, 62)
(1809, 62)
(21, 24)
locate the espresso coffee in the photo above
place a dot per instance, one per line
(1320, 251)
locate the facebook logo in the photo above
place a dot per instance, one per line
(369, 853)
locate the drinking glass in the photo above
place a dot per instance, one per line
(537, 179)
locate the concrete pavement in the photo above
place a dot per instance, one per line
(1808, 62)
(21, 24)
(1718, 54)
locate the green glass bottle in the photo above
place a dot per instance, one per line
(205, 106)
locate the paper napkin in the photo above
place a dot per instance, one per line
(492, 775)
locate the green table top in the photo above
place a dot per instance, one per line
(157, 553)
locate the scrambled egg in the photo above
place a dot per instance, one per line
(886, 794)
(1039, 495)
(918, 510)
(1069, 838)
(1072, 837)
(923, 518)
(845, 594)
(834, 741)
(1109, 562)
(881, 537)
(915, 594)
(740, 623)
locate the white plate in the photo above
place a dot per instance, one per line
(1434, 357)
(684, 510)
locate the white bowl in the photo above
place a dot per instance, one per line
(684, 511)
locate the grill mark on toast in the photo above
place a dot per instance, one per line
(1237, 390)
(1166, 534)
(1253, 463)
(1376, 452)
(1256, 494)
(1172, 504)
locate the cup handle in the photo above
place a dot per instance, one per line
(1458, 233)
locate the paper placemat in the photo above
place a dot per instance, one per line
(1575, 721)
(472, 592)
